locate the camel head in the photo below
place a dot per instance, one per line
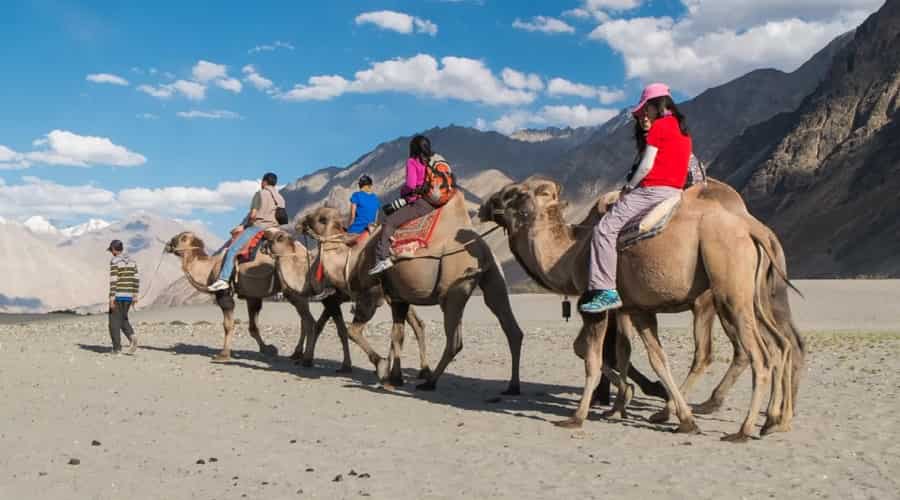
(184, 243)
(323, 222)
(280, 243)
(521, 204)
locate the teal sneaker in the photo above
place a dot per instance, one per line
(602, 300)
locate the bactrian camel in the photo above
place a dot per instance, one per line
(558, 280)
(446, 273)
(296, 271)
(704, 248)
(255, 281)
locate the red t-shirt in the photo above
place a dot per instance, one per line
(670, 168)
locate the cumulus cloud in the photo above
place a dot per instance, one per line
(212, 115)
(64, 148)
(259, 82)
(277, 44)
(549, 25)
(189, 89)
(559, 87)
(107, 78)
(35, 196)
(398, 22)
(454, 78)
(719, 41)
(205, 72)
(519, 80)
(563, 116)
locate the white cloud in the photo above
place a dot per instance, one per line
(544, 24)
(147, 116)
(213, 115)
(259, 82)
(11, 160)
(230, 84)
(35, 196)
(64, 148)
(561, 87)
(277, 44)
(519, 80)
(205, 71)
(455, 78)
(397, 21)
(106, 78)
(563, 116)
(192, 90)
(719, 41)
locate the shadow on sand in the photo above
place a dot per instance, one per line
(538, 401)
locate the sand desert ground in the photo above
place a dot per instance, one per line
(168, 423)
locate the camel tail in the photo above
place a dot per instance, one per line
(782, 274)
(761, 295)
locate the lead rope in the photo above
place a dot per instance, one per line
(153, 276)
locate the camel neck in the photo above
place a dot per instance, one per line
(550, 252)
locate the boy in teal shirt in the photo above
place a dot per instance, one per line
(364, 206)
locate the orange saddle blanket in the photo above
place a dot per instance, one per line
(248, 253)
(415, 234)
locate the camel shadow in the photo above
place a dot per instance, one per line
(538, 401)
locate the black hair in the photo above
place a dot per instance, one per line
(270, 179)
(656, 107)
(365, 180)
(420, 148)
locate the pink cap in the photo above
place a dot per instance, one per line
(651, 91)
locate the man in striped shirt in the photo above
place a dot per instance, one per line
(124, 284)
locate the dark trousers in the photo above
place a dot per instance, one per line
(118, 323)
(390, 224)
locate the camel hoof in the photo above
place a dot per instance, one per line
(269, 350)
(296, 356)
(426, 386)
(221, 357)
(344, 369)
(382, 369)
(396, 381)
(306, 363)
(611, 414)
(424, 374)
(660, 417)
(772, 426)
(707, 407)
(738, 437)
(569, 423)
(512, 390)
(688, 428)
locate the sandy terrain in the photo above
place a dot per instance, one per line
(264, 428)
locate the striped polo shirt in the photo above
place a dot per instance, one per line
(124, 282)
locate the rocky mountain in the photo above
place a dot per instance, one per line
(826, 175)
(42, 274)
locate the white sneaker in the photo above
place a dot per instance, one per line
(381, 266)
(218, 286)
(324, 294)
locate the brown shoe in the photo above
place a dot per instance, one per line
(134, 345)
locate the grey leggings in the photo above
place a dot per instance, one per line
(118, 323)
(412, 211)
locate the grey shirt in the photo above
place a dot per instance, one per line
(265, 201)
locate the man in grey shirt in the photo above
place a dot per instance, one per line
(265, 203)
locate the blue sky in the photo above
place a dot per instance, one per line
(109, 108)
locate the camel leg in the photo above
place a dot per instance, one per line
(589, 347)
(646, 326)
(496, 297)
(739, 362)
(226, 303)
(339, 323)
(779, 412)
(781, 311)
(625, 392)
(363, 314)
(308, 325)
(452, 304)
(254, 306)
(418, 328)
(647, 386)
(399, 313)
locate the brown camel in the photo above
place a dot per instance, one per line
(704, 248)
(295, 266)
(494, 209)
(446, 273)
(255, 281)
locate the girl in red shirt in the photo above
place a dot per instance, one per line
(660, 174)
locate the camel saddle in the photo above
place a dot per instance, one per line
(255, 269)
(646, 225)
(415, 234)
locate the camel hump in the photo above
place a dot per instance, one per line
(434, 232)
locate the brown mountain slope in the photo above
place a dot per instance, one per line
(827, 176)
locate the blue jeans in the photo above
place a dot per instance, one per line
(228, 263)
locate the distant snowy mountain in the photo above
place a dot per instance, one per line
(87, 227)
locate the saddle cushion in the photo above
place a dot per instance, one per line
(248, 253)
(648, 225)
(415, 234)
